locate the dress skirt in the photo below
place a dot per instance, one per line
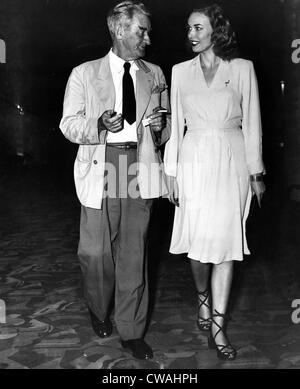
(214, 196)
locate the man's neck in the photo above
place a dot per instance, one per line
(122, 54)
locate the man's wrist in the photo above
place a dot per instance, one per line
(101, 126)
(102, 131)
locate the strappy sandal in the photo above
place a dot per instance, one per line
(203, 299)
(224, 352)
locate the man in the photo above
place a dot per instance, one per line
(111, 108)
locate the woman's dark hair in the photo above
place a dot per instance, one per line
(223, 36)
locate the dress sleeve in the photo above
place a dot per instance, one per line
(251, 122)
(177, 127)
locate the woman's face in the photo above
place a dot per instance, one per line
(199, 32)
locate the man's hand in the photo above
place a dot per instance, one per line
(157, 119)
(110, 121)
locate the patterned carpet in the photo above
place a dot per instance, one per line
(47, 326)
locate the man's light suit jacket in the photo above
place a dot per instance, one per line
(89, 92)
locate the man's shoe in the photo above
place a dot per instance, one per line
(102, 328)
(138, 347)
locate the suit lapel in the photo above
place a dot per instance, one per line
(144, 85)
(106, 92)
(104, 85)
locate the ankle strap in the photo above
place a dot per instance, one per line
(204, 292)
(224, 315)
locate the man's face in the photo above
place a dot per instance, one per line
(135, 38)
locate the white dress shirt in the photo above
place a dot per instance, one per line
(128, 133)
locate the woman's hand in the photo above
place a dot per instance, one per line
(173, 190)
(258, 188)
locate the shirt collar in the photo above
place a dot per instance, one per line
(117, 63)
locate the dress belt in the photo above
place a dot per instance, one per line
(123, 146)
(213, 130)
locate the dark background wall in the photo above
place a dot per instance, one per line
(46, 38)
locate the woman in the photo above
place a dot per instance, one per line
(217, 164)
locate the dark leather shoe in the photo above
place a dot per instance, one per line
(102, 328)
(138, 347)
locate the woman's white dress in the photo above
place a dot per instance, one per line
(213, 160)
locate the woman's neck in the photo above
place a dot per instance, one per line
(209, 60)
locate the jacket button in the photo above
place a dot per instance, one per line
(95, 161)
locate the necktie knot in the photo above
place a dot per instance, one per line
(127, 66)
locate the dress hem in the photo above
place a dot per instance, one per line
(215, 262)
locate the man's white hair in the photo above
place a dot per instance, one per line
(123, 13)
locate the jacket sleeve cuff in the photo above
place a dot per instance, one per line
(102, 132)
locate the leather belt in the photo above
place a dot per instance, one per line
(123, 146)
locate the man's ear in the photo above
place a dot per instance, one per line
(119, 31)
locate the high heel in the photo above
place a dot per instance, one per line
(224, 352)
(203, 299)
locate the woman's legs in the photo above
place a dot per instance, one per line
(201, 273)
(220, 287)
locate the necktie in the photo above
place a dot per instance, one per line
(129, 105)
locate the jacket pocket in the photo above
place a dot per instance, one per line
(85, 153)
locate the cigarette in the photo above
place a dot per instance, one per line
(146, 122)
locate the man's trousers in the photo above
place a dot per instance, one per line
(113, 248)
